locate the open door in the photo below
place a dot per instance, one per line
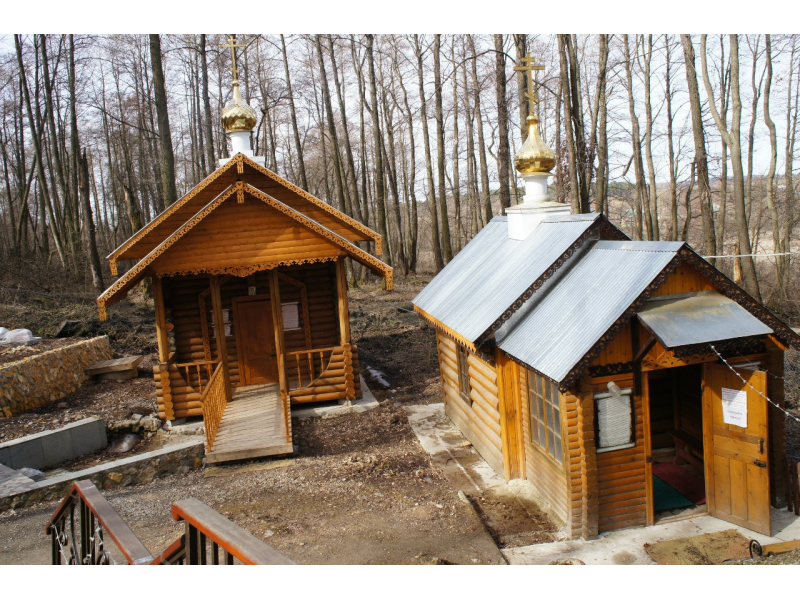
(735, 441)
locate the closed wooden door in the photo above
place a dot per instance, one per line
(258, 363)
(735, 440)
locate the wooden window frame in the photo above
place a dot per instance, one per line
(462, 356)
(601, 396)
(544, 398)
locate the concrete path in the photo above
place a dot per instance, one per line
(626, 547)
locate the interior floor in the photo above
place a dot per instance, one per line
(676, 440)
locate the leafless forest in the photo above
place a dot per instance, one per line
(674, 137)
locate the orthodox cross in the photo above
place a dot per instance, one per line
(233, 45)
(528, 65)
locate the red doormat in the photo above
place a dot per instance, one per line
(692, 487)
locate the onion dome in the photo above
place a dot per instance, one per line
(534, 156)
(237, 115)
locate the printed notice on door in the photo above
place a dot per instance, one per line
(734, 407)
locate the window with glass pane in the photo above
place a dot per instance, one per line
(463, 374)
(545, 415)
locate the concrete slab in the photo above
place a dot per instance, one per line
(334, 409)
(48, 448)
(626, 547)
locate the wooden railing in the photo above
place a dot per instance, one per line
(214, 400)
(793, 484)
(84, 519)
(195, 369)
(319, 380)
(305, 365)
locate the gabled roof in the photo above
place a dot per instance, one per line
(563, 322)
(144, 266)
(240, 166)
(493, 275)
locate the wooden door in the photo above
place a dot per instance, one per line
(735, 447)
(256, 342)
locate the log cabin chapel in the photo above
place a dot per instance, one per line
(631, 382)
(250, 299)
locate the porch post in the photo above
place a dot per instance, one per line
(277, 321)
(341, 302)
(219, 332)
(163, 348)
(776, 428)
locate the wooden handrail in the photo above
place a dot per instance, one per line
(313, 350)
(198, 364)
(97, 517)
(204, 523)
(214, 401)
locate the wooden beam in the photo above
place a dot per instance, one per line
(588, 460)
(219, 332)
(341, 301)
(277, 320)
(508, 406)
(163, 348)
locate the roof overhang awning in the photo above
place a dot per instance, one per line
(701, 318)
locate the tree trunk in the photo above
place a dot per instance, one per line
(88, 223)
(486, 199)
(732, 138)
(380, 187)
(169, 193)
(503, 150)
(444, 216)
(207, 129)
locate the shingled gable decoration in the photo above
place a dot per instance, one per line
(573, 333)
(248, 249)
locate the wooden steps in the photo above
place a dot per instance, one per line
(253, 426)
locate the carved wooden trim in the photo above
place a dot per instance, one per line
(107, 297)
(244, 271)
(164, 215)
(314, 200)
(611, 369)
(357, 253)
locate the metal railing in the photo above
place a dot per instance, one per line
(214, 400)
(80, 525)
(84, 519)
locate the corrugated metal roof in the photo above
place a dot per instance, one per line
(561, 323)
(492, 271)
(698, 319)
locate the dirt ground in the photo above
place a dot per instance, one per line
(360, 490)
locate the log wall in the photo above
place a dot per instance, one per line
(479, 418)
(542, 471)
(183, 312)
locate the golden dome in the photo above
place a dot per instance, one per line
(534, 156)
(237, 115)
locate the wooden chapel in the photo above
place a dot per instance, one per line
(250, 300)
(630, 382)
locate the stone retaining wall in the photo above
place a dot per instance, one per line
(48, 448)
(142, 468)
(47, 377)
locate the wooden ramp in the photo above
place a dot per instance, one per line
(253, 426)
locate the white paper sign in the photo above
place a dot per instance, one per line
(734, 407)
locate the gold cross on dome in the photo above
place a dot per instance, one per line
(233, 45)
(528, 65)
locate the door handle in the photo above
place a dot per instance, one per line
(760, 463)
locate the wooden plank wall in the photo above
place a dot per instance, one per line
(621, 473)
(184, 313)
(543, 472)
(478, 420)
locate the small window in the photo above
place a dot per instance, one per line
(545, 416)
(614, 419)
(290, 312)
(463, 374)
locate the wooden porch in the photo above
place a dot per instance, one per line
(253, 425)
